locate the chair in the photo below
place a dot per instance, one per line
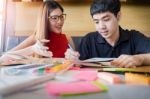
(13, 41)
(77, 41)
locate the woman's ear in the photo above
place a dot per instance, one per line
(119, 16)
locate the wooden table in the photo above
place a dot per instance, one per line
(120, 91)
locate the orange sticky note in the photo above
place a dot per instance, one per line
(137, 79)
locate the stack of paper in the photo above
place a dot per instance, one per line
(95, 62)
(10, 84)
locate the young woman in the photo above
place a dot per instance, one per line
(48, 39)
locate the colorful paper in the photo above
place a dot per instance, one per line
(82, 87)
(109, 77)
(86, 75)
(137, 79)
(143, 69)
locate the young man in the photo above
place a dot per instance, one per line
(131, 48)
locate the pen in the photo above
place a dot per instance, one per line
(70, 47)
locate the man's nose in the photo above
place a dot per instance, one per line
(101, 25)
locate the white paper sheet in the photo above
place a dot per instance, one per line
(98, 60)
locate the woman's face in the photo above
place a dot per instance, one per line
(56, 20)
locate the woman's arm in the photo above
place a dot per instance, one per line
(26, 43)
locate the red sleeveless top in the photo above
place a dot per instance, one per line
(58, 44)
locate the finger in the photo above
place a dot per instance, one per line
(43, 48)
(66, 55)
(130, 65)
(128, 62)
(45, 53)
(49, 54)
(125, 63)
(44, 41)
(120, 60)
(72, 55)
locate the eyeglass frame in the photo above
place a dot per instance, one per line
(59, 17)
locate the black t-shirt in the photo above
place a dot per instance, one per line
(130, 43)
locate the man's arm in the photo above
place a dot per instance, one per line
(146, 60)
(132, 60)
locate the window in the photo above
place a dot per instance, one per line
(1, 22)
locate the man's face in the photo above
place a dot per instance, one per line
(106, 24)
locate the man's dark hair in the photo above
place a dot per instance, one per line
(99, 6)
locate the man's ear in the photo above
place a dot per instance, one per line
(119, 16)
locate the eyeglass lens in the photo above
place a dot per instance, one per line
(56, 17)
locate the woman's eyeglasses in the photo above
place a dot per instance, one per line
(55, 18)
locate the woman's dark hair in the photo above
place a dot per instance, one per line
(51, 5)
(42, 29)
(99, 6)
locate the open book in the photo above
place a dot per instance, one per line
(99, 60)
(95, 62)
(103, 64)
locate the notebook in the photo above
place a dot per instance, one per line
(17, 78)
(11, 84)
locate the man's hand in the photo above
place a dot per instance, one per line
(72, 55)
(128, 61)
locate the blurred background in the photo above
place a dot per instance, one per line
(18, 17)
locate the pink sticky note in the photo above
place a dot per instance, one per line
(86, 75)
(61, 88)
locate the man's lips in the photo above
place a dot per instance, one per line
(104, 32)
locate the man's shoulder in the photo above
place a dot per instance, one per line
(133, 33)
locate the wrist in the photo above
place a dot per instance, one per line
(140, 58)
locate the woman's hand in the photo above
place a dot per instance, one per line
(128, 61)
(40, 49)
(72, 55)
(37, 48)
